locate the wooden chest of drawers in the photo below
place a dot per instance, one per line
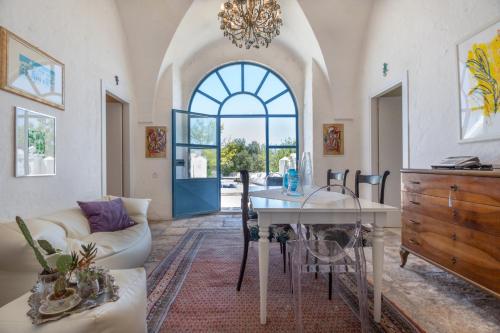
(452, 219)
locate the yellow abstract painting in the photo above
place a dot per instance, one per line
(479, 59)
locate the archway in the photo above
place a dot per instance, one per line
(241, 115)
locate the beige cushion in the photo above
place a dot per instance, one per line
(128, 314)
(72, 220)
(134, 206)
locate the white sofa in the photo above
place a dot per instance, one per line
(67, 230)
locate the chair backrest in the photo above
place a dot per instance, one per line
(340, 176)
(346, 229)
(372, 180)
(245, 182)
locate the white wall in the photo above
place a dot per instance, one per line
(421, 37)
(87, 37)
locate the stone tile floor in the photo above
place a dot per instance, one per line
(437, 301)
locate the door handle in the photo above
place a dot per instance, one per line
(453, 260)
(415, 202)
(414, 182)
(414, 222)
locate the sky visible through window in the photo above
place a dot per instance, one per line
(247, 89)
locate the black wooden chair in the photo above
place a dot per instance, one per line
(277, 232)
(372, 180)
(340, 176)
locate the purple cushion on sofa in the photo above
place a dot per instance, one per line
(106, 215)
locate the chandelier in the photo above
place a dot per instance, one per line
(253, 23)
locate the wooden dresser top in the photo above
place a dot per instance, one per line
(472, 173)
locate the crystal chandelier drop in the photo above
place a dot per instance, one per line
(253, 23)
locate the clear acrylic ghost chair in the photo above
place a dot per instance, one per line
(340, 252)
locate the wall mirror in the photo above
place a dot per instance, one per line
(35, 144)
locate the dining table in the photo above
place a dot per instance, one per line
(275, 207)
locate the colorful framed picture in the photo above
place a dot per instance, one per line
(479, 75)
(29, 72)
(333, 139)
(156, 142)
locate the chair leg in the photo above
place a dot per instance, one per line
(362, 284)
(243, 265)
(290, 271)
(284, 257)
(330, 284)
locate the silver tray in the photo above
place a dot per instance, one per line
(35, 301)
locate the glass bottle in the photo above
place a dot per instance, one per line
(286, 167)
(306, 173)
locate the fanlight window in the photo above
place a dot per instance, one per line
(248, 90)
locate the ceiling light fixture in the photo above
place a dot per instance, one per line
(253, 23)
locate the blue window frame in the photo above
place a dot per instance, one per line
(250, 90)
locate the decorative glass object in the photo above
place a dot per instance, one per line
(88, 283)
(295, 188)
(45, 284)
(286, 167)
(306, 173)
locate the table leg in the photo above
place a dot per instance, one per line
(378, 269)
(263, 269)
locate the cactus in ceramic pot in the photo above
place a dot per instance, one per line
(29, 239)
(65, 264)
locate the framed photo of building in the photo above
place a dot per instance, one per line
(333, 139)
(479, 75)
(156, 142)
(27, 71)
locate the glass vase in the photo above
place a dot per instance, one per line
(45, 284)
(306, 171)
(295, 188)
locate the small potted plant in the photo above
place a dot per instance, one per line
(87, 276)
(48, 275)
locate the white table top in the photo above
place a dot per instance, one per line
(273, 200)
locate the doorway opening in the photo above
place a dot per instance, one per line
(242, 116)
(115, 146)
(389, 143)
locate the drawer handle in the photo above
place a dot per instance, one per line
(454, 236)
(455, 213)
(414, 242)
(414, 182)
(454, 187)
(453, 260)
(414, 222)
(415, 202)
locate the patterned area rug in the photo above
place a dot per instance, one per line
(193, 289)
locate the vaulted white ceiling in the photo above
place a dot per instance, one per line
(159, 32)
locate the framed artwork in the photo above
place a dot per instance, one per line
(156, 142)
(29, 72)
(479, 79)
(333, 139)
(35, 144)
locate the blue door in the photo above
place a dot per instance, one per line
(196, 172)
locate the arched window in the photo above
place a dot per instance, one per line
(254, 105)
